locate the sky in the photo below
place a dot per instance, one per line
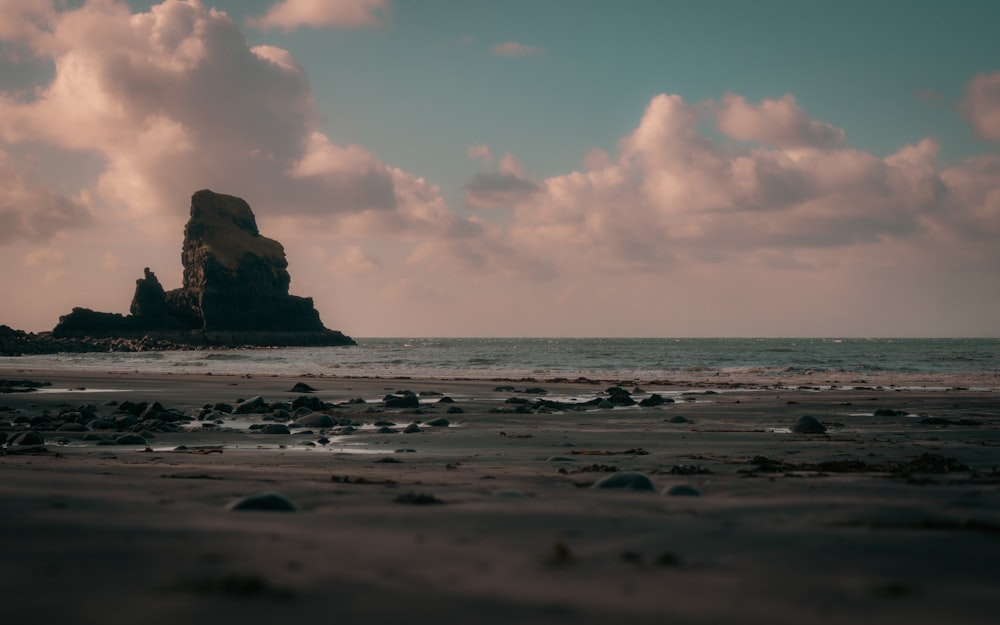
(645, 168)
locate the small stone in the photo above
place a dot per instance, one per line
(626, 480)
(275, 428)
(272, 502)
(254, 405)
(440, 422)
(301, 387)
(682, 490)
(808, 425)
(315, 420)
(130, 439)
(30, 437)
(413, 428)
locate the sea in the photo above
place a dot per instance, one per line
(640, 359)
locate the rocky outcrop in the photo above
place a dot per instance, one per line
(234, 292)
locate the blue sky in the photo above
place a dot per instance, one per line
(719, 168)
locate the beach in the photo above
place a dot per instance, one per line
(510, 503)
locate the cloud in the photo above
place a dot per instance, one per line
(780, 123)
(512, 48)
(26, 21)
(174, 100)
(505, 186)
(982, 105)
(32, 212)
(675, 197)
(480, 152)
(291, 14)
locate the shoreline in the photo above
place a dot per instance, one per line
(494, 517)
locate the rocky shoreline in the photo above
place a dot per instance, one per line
(19, 343)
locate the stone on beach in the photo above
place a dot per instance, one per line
(275, 428)
(315, 420)
(254, 405)
(626, 480)
(808, 425)
(271, 502)
(682, 490)
(30, 437)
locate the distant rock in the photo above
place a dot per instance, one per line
(234, 293)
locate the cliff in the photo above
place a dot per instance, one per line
(234, 292)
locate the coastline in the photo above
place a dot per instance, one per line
(493, 518)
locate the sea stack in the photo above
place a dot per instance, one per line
(235, 290)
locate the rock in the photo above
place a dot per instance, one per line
(275, 428)
(678, 419)
(405, 401)
(889, 412)
(269, 502)
(71, 426)
(808, 425)
(234, 292)
(314, 404)
(254, 405)
(301, 387)
(30, 437)
(413, 428)
(440, 422)
(454, 410)
(620, 396)
(130, 439)
(626, 480)
(315, 420)
(682, 490)
(655, 400)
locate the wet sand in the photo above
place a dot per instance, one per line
(495, 517)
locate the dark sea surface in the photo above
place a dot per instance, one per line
(495, 358)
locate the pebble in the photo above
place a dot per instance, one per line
(682, 490)
(272, 502)
(315, 420)
(808, 425)
(30, 437)
(275, 428)
(626, 480)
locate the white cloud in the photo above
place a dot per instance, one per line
(174, 100)
(982, 105)
(780, 123)
(291, 14)
(513, 48)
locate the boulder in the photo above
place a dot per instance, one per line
(808, 425)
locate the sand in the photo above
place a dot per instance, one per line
(495, 517)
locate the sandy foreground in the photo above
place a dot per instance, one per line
(494, 518)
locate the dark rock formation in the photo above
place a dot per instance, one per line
(235, 290)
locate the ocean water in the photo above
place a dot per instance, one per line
(505, 358)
